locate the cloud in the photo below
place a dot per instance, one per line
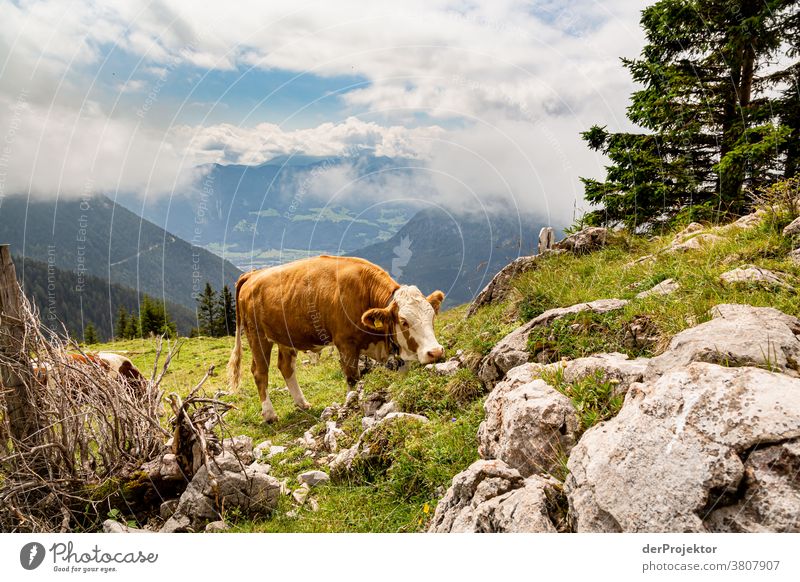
(491, 93)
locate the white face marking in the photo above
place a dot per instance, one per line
(415, 319)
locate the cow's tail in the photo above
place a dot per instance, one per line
(235, 361)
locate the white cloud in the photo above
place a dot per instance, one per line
(520, 78)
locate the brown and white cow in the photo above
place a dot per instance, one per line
(115, 365)
(348, 302)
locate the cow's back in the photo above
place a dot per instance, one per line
(312, 302)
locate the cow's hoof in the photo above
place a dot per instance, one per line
(304, 406)
(270, 418)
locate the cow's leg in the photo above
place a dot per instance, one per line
(287, 358)
(262, 352)
(348, 357)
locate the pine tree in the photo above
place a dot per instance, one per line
(153, 318)
(121, 327)
(207, 312)
(227, 311)
(711, 106)
(90, 334)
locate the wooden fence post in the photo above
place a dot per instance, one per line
(15, 365)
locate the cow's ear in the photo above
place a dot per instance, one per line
(378, 318)
(435, 299)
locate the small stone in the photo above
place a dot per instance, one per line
(313, 504)
(262, 449)
(313, 478)
(300, 494)
(167, 509)
(447, 368)
(111, 526)
(387, 408)
(750, 274)
(666, 287)
(217, 526)
(793, 228)
(275, 450)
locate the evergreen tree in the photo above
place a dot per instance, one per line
(90, 334)
(227, 311)
(207, 312)
(716, 120)
(121, 327)
(133, 330)
(153, 318)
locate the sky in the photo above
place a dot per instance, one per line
(488, 95)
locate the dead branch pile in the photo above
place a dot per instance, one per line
(87, 434)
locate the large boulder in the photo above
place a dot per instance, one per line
(499, 288)
(676, 450)
(531, 427)
(512, 350)
(584, 241)
(770, 497)
(490, 496)
(224, 483)
(738, 335)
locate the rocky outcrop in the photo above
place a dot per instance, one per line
(769, 497)
(490, 496)
(676, 447)
(586, 240)
(224, 483)
(738, 335)
(531, 426)
(615, 367)
(692, 244)
(752, 275)
(512, 350)
(499, 288)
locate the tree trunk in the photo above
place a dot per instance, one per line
(15, 366)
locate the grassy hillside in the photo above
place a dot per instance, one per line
(420, 460)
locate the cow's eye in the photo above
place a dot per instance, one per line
(403, 323)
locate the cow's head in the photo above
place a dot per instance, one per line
(409, 317)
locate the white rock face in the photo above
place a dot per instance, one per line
(738, 335)
(614, 367)
(752, 275)
(530, 427)
(770, 500)
(693, 244)
(512, 350)
(666, 287)
(674, 448)
(490, 496)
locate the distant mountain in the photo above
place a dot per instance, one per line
(59, 301)
(95, 236)
(457, 254)
(287, 208)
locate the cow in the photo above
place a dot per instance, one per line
(115, 365)
(345, 301)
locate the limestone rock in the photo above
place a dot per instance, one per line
(666, 287)
(752, 275)
(794, 257)
(793, 228)
(499, 288)
(262, 449)
(546, 239)
(693, 244)
(241, 446)
(447, 368)
(674, 449)
(224, 485)
(738, 335)
(530, 427)
(167, 509)
(313, 478)
(112, 526)
(387, 408)
(770, 498)
(217, 526)
(331, 438)
(512, 350)
(614, 367)
(586, 240)
(490, 496)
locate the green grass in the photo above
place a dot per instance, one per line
(415, 462)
